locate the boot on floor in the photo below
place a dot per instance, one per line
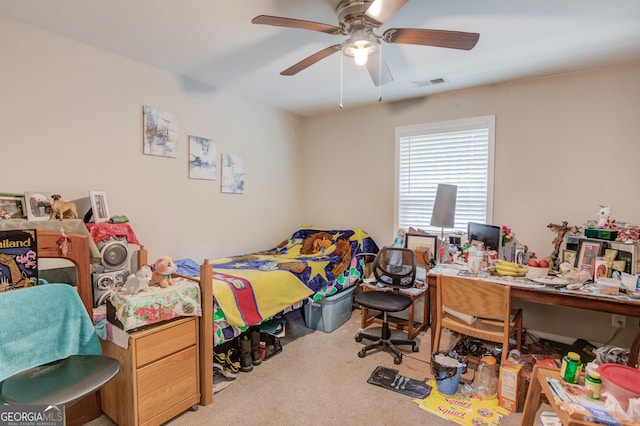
(245, 353)
(256, 358)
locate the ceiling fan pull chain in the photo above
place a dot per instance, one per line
(380, 74)
(341, 65)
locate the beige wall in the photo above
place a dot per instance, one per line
(564, 144)
(72, 122)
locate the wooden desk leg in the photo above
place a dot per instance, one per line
(432, 300)
(532, 403)
(363, 312)
(410, 330)
(634, 352)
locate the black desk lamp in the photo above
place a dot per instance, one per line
(444, 209)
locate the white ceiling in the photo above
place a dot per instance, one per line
(214, 42)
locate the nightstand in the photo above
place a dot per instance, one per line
(158, 376)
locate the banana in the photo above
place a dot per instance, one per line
(505, 263)
(508, 273)
(509, 267)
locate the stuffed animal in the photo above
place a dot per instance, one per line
(163, 268)
(138, 282)
(603, 215)
(604, 220)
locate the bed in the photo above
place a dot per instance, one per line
(308, 265)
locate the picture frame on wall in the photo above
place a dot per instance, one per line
(588, 251)
(202, 158)
(12, 206)
(38, 205)
(99, 206)
(425, 246)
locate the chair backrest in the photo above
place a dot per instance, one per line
(395, 267)
(474, 297)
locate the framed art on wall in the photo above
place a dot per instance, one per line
(12, 206)
(38, 205)
(202, 158)
(232, 174)
(425, 246)
(99, 206)
(160, 132)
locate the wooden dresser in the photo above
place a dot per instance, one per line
(158, 377)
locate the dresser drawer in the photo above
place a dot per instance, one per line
(158, 345)
(167, 383)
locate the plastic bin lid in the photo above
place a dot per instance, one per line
(626, 377)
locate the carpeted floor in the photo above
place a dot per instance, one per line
(319, 379)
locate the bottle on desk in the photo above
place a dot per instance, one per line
(571, 367)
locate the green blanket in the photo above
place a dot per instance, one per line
(43, 324)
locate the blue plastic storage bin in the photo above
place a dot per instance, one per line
(330, 312)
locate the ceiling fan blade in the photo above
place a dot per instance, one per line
(297, 23)
(308, 61)
(378, 69)
(381, 11)
(437, 38)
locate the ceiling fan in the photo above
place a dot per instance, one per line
(359, 19)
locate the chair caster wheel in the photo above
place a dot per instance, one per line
(415, 348)
(362, 353)
(194, 408)
(358, 338)
(397, 359)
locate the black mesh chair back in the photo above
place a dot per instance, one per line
(395, 267)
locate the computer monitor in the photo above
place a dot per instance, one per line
(490, 235)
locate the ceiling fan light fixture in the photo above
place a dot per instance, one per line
(360, 46)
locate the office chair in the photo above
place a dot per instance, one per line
(50, 352)
(395, 268)
(486, 305)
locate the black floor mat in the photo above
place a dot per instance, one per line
(389, 378)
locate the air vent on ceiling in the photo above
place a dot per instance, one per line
(423, 83)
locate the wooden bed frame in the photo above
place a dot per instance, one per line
(205, 282)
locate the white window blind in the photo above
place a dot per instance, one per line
(458, 152)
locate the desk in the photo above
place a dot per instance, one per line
(554, 296)
(538, 386)
(400, 324)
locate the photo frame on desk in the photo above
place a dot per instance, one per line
(425, 246)
(99, 206)
(569, 256)
(38, 205)
(12, 206)
(588, 251)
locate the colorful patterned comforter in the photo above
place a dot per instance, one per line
(309, 265)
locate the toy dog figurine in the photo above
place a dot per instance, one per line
(63, 209)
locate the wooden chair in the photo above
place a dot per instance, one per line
(488, 302)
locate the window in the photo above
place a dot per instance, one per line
(458, 152)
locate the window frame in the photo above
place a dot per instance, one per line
(487, 121)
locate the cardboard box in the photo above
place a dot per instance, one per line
(511, 390)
